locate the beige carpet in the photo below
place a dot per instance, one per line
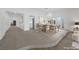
(66, 42)
(16, 38)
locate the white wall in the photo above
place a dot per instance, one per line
(19, 21)
(18, 17)
(4, 24)
(5, 19)
(28, 17)
(28, 13)
(69, 14)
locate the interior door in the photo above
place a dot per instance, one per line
(33, 23)
(60, 21)
(14, 23)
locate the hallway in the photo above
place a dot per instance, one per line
(16, 38)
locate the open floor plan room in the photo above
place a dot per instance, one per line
(39, 28)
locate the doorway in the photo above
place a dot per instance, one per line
(60, 21)
(13, 23)
(33, 23)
